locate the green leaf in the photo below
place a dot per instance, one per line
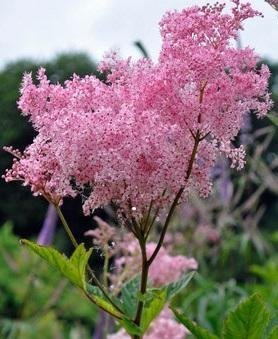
(130, 327)
(129, 295)
(79, 260)
(154, 299)
(274, 333)
(196, 330)
(175, 287)
(72, 268)
(100, 300)
(106, 306)
(153, 306)
(248, 321)
(92, 289)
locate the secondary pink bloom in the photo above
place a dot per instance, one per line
(129, 139)
(163, 327)
(206, 232)
(103, 235)
(167, 268)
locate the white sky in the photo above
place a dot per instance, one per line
(42, 28)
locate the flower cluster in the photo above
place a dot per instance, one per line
(103, 236)
(168, 268)
(150, 128)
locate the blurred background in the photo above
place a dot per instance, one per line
(233, 235)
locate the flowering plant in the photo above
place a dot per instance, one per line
(142, 140)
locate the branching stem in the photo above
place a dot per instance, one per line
(146, 263)
(143, 285)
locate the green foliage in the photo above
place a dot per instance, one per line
(47, 324)
(174, 288)
(274, 333)
(72, 268)
(129, 295)
(198, 331)
(153, 306)
(130, 327)
(208, 301)
(33, 301)
(154, 300)
(267, 283)
(248, 321)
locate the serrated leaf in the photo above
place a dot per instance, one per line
(106, 306)
(72, 268)
(153, 307)
(248, 321)
(274, 333)
(130, 327)
(175, 287)
(92, 289)
(154, 299)
(102, 301)
(196, 330)
(129, 295)
(79, 260)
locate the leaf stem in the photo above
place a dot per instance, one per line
(143, 285)
(66, 226)
(75, 244)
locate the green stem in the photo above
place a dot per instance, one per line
(66, 226)
(75, 244)
(144, 281)
(91, 298)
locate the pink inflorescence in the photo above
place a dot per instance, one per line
(163, 327)
(129, 139)
(168, 268)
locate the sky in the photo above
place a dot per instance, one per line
(40, 29)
